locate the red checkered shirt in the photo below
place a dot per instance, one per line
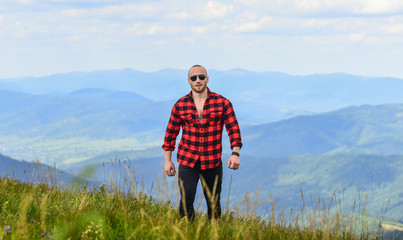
(201, 139)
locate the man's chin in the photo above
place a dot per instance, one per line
(199, 90)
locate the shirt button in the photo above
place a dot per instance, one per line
(201, 139)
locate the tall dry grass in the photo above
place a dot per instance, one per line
(50, 209)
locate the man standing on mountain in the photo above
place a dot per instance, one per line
(202, 115)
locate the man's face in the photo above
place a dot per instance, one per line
(199, 85)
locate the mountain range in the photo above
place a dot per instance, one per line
(359, 129)
(259, 97)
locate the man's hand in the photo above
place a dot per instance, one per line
(233, 162)
(169, 165)
(170, 168)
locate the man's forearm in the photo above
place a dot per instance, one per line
(168, 156)
(236, 149)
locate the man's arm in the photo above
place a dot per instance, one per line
(231, 125)
(169, 141)
(172, 131)
(234, 134)
(169, 165)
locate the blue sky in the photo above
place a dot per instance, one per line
(42, 37)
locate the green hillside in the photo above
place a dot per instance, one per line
(41, 212)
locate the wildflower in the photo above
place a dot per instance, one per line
(44, 234)
(102, 188)
(5, 206)
(93, 232)
(7, 229)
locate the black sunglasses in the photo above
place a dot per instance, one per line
(194, 77)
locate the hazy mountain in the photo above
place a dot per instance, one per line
(78, 125)
(93, 112)
(159, 86)
(258, 97)
(101, 94)
(366, 129)
(33, 172)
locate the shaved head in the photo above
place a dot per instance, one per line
(200, 66)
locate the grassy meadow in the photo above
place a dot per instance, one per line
(53, 210)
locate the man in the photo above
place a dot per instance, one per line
(202, 115)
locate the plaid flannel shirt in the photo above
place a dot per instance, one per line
(201, 139)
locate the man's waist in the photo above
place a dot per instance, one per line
(200, 163)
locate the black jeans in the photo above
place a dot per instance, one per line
(188, 178)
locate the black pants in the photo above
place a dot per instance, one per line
(188, 178)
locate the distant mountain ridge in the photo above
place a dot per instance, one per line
(364, 129)
(96, 93)
(28, 114)
(259, 97)
(32, 172)
(78, 125)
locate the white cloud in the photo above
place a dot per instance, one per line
(379, 7)
(181, 16)
(144, 28)
(355, 37)
(133, 10)
(155, 28)
(215, 9)
(253, 26)
(200, 29)
(25, 1)
(248, 27)
(316, 22)
(334, 7)
(76, 13)
(393, 28)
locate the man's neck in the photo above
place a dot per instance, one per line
(198, 97)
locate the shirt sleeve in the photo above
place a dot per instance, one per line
(231, 125)
(175, 121)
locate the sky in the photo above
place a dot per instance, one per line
(299, 37)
